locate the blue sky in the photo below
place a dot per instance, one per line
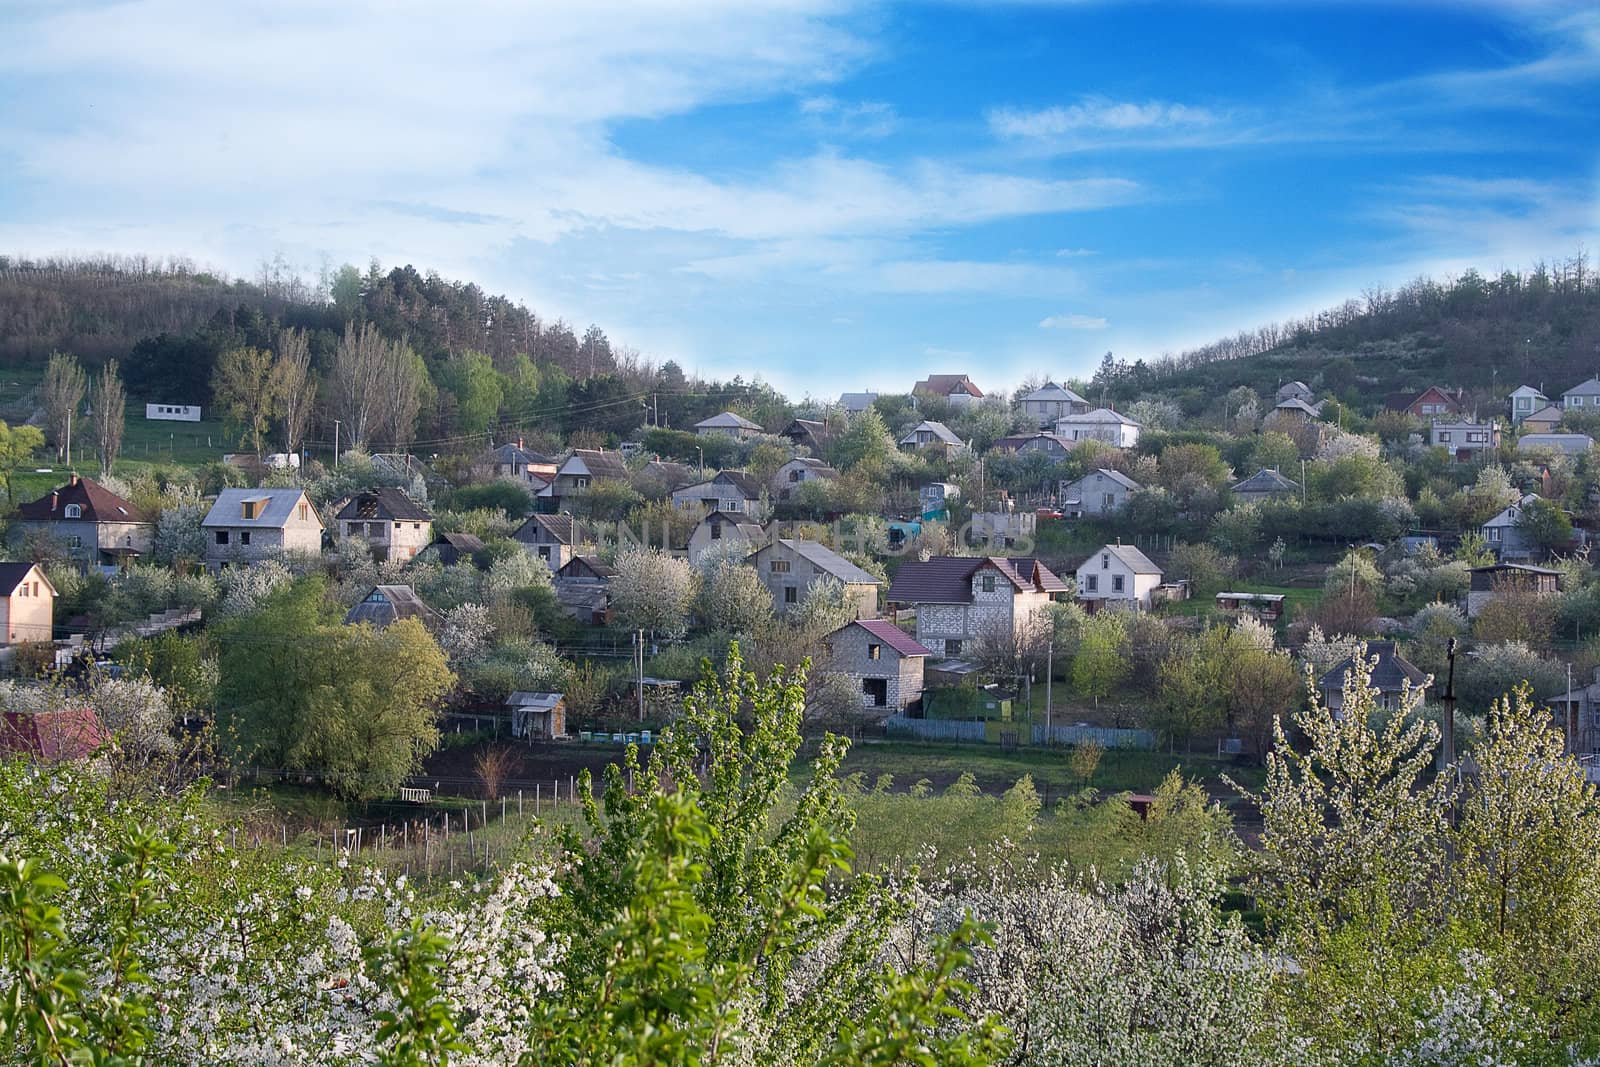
(830, 195)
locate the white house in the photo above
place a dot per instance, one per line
(1100, 492)
(1050, 402)
(934, 435)
(727, 424)
(1464, 439)
(1118, 575)
(1101, 424)
(173, 412)
(797, 472)
(1583, 396)
(1524, 401)
(937, 496)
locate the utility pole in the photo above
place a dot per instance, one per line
(335, 444)
(1049, 678)
(639, 655)
(69, 436)
(1447, 751)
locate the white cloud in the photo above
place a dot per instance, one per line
(1073, 322)
(1097, 113)
(838, 118)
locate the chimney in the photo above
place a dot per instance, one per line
(55, 499)
(73, 480)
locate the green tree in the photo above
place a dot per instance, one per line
(866, 443)
(1101, 663)
(1545, 524)
(110, 400)
(471, 379)
(61, 394)
(245, 387)
(17, 446)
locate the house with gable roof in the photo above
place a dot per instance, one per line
(932, 435)
(395, 526)
(727, 424)
(385, 604)
(1585, 396)
(795, 473)
(1100, 492)
(1103, 425)
(27, 604)
(724, 528)
(98, 527)
(249, 525)
(1397, 680)
(884, 660)
(512, 460)
(958, 389)
(1117, 575)
(1524, 401)
(789, 567)
(731, 491)
(963, 599)
(553, 539)
(1050, 402)
(1264, 484)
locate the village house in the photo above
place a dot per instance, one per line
(1100, 492)
(809, 434)
(1524, 401)
(395, 526)
(1002, 529)
(583, 589)
(1487, 584)
(517, 463)
(28, 603)
(553, 539)
(1582, 397)
(1504, 533)
(797, 472)
(727, 424)
(1578, 715)
(960, 600)
(96, 526)
(1264, 484)
(1293, 410)
(789, 567)
(537, 716)
(884, 660)
(580, 471)
(60, 735)
(1465, 439)
(1399, 683)
(1050, 402)
(1294, 391)
(856, 403)
(248, 525)
(1264, 607)
(730, 491)
(385, 604)
(1101, 424)
(1544, 420)
(1433, 403)
(958, 389)
(1053, 445)
(659, 477)
(934, 436)
(452, 548)
(1118, 575)
(1570, 444)
(722, 528)
(935, 499)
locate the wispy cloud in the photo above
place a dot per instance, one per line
(1073, 322)
(838, 118)
(1097, 113)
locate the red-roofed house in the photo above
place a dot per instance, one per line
(98, 527)
(52, 736)
(885, 659)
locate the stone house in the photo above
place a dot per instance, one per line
(1050, 402)
(1433, 403)
(27, 604)
(248, 525)
(724, 528)
(1100, 492)
(1118, 575)
(886, 661)
(730, 491)
(963, 599)
(553, 539)
(98, 527)
(727, 424)
(1396, 678)
(1103, 425)
(789, 567)
(395, 526)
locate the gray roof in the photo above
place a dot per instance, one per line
(1116, 476)
(938, 429)
(278, 508)
(598, 464)
(384, 503)
(747, 485)
(1266, 481)
(1051, 391)
(727, 421)
(1527, 390)
(1587, 388)
(388, 603)
(1571, 443)
(856, 401)
(1098, 416)
(1294, 403)
(560, 529)
(1390, 674)
(826, 560)
(522, 699)
(514, 453)
(1132, 558)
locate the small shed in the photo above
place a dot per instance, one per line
(1268, 607)
(537, 716)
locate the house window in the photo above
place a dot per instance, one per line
(1105, 561)
(1493, 532)
(988, 583)
(1091, 583)
(794, 476)
(244, 537)
(1444, 435)
(1110, 501)
(222, 537)
(874, 651)
(716, 531)
(952, 647)
(1477, 438)
(304, 511)
(22, 590)
(580, 482)
(250, 509)
(1116, 583)
(1577, 401)
(791, 595)
(73, 511)
(780, 566)
(544, 552)
(732, 505)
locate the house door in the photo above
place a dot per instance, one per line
(877, 691)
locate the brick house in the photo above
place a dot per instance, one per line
(884, 659)
(723, 528)
(395, 526)
(248, 525)
(97, 526)
(1433, 402)
(961, 599)
(789, 567)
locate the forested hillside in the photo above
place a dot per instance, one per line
(1487, 335)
